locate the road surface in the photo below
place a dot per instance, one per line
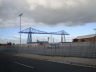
(20, 64)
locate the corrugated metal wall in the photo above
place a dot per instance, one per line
(78, 49)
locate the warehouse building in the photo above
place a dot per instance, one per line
(85, 38)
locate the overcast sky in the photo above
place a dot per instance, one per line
(47, 13)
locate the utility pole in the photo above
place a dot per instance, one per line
(20, 15)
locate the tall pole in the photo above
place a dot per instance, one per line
(51, 38)
(64, 38)
(48, 39)
(20, 26)
(94, 43)
(95, 35)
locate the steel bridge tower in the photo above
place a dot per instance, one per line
(29, 39)
(30, 31)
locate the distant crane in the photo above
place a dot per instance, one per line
(31, 31)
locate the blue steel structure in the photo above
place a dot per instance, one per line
(31, 31)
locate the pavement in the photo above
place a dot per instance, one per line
(9, 63)
(88, 62)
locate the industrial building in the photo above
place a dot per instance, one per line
(38, 43)
(43, 42)
(85, 38)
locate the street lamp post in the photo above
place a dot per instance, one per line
(20, 15)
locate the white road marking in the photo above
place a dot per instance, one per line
(24, 65)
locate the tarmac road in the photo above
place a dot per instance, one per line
(20, 64)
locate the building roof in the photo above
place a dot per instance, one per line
(86, 36)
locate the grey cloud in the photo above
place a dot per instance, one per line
(68, 15)
(75, 16)
(9, 11)
(10, 8)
